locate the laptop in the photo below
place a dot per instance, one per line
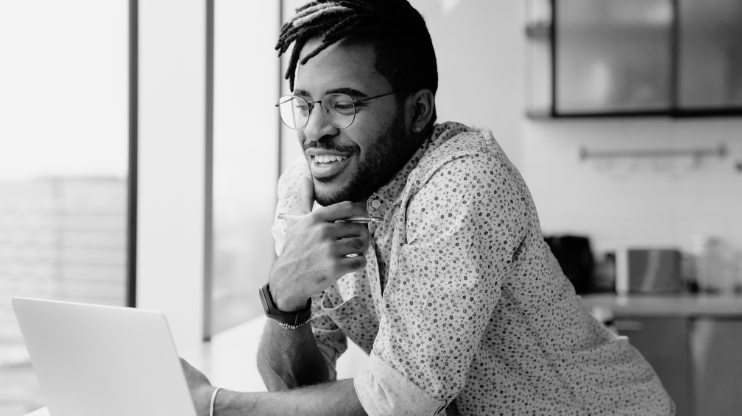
(93, 360)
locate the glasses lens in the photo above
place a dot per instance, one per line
(339, 110)
(294, 111)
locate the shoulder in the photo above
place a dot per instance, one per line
(288, 182)
(461, 152)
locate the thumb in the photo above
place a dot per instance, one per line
(306, 195)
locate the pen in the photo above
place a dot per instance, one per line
(360, 220)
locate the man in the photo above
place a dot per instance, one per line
(452, 291)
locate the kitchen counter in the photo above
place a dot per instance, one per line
(676, 305)
(691, 341)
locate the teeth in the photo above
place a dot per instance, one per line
(329, 158)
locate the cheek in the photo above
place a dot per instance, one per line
(370, 136)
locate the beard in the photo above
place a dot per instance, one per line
(383, 161)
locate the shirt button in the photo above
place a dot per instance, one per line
(375, 203)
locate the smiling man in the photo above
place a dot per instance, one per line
(449, 288)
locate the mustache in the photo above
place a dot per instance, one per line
(326, 145)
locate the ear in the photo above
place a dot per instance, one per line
(421, 107)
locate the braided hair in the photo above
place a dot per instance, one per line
(404, 50)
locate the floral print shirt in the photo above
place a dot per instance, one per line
(462, 307)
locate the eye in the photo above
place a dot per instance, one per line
(301, 106)
(344, 107)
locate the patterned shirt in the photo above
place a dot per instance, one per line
(463, 306)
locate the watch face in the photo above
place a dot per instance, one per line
(264, 301)
(271, 311)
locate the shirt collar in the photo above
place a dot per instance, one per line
(393, 189)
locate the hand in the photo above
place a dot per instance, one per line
(316, 251)
(199, 386)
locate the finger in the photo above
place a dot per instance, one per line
(342, 210)
(354, 245)
(306, 196)
(351, 264)
(338, 230)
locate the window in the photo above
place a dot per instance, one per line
(63, 166)
(245, 157)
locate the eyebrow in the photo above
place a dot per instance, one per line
(344, 90)
(349, 91)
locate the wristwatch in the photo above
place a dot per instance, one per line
(287, 320)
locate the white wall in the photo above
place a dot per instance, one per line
(642, 201)
(480, 49)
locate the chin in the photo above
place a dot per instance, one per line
(326, 194)
(327, 197)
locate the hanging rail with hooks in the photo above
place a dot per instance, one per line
(697, 154)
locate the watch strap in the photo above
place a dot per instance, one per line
(288, 320)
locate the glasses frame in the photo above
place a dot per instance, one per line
(311, 104)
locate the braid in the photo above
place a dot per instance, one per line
(390, 21)
(335, 34)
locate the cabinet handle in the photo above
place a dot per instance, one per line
(629, 325)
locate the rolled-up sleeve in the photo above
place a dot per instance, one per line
(331, 341)
(382, 390)
(464, 227)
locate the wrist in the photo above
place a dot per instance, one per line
(280, 285)
(204, 397)
(288, 320)
(284, 302)
(292, 306)
(232, 403)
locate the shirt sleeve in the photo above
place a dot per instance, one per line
(288, 199)
(382, 390)
(464, 228)
(331, 341)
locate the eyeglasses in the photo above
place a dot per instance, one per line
(338, 109)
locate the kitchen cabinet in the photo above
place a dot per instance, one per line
(694, 343)
(716, 358)
(589, 58)
(664, 343)
(710, 54)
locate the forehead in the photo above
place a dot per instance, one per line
(346, 64)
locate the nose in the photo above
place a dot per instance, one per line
(317, 125)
